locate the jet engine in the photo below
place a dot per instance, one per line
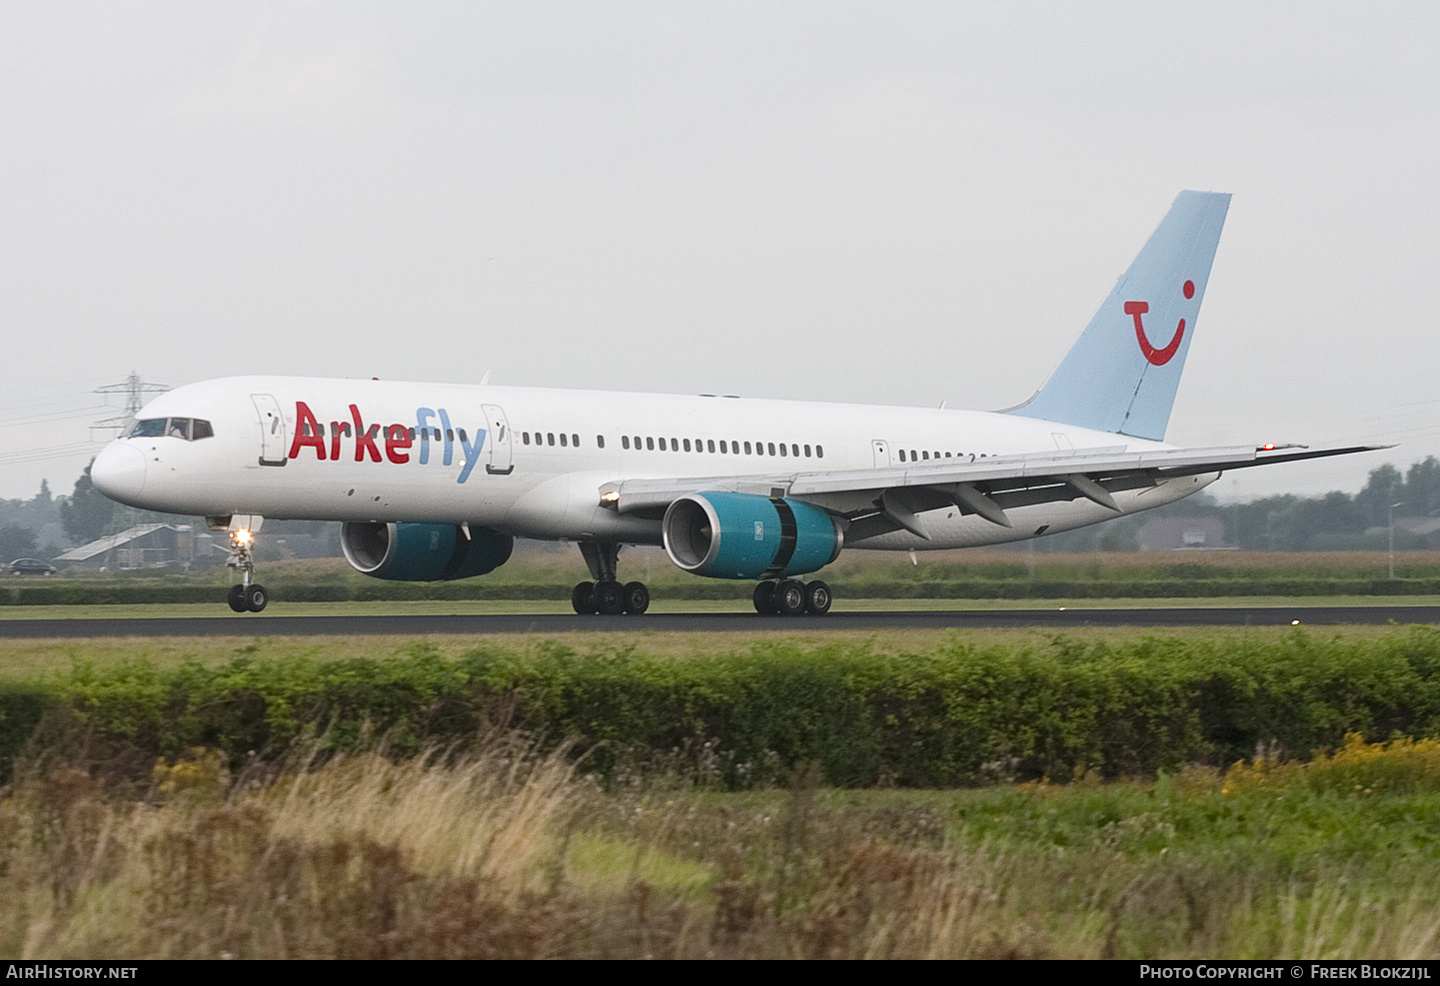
(748, 536)
(423, 552)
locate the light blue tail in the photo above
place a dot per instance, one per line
(1122, 373)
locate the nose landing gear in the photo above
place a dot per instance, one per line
(249, 596)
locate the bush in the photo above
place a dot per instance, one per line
(958, 715)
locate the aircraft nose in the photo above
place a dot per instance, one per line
(119, 471)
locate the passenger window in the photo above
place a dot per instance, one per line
(782, 450)
(902, 455)
(687, 444)
(925, 454)
(463, 439)
(549, 438)
(449, 434)
(807, 451)
(747, 448)
(723, 448)
(564, 440)
(625, 441)
(710, 443)
(410, 431)
(599, 441)
(203, 430)
(795, 450)
(574, 440)
(525, 437)
(819, 451)
(772, 448)
(650, 444)
(674, 445)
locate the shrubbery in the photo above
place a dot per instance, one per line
(958, 715)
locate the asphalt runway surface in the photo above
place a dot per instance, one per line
(246, 625)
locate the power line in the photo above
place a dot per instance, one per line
(134, 390)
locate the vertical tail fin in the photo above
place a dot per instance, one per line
(1122, 373)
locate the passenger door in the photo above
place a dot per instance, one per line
(881, 450)
(500, 463)
(273, 444)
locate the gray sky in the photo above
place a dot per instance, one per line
(880, 202)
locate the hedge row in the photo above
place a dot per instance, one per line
(956, 716)
(83, 593)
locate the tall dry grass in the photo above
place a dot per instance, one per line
(510, 854)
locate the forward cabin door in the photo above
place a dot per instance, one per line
(273, 446)
(500, 463)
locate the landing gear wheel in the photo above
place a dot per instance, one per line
(609, 598)
(818, 598)
(790, 598)
(583, 598)
(636, 597)
(764, 597)
(255, 598)
(237, 598)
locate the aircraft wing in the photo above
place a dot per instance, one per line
(878, 501)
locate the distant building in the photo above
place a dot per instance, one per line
(1174, 533)
(1421, 527)
(142, 546)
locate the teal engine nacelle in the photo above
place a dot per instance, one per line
(748, 536)
(423, 552)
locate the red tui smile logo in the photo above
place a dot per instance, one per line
(1157, 357)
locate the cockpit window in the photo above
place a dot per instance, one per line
(148, 428)
(190, 429)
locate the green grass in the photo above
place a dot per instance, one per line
(506, 852)
(510, 854)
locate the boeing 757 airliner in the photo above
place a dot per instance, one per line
(434, 481)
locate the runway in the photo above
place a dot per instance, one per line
(419, 625)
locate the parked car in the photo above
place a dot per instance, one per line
(30, 566)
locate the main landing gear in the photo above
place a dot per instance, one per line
(248, 596)
(606, 595)
(791, 597)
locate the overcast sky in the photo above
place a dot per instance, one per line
(893, 202)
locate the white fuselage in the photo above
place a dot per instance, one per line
(494, 456)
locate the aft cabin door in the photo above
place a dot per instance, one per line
(499, 442)
(273, 446)
(881, 448)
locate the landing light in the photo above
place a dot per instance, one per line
(610, 496)
(243, 536)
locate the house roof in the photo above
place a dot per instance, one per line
(88, 551)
